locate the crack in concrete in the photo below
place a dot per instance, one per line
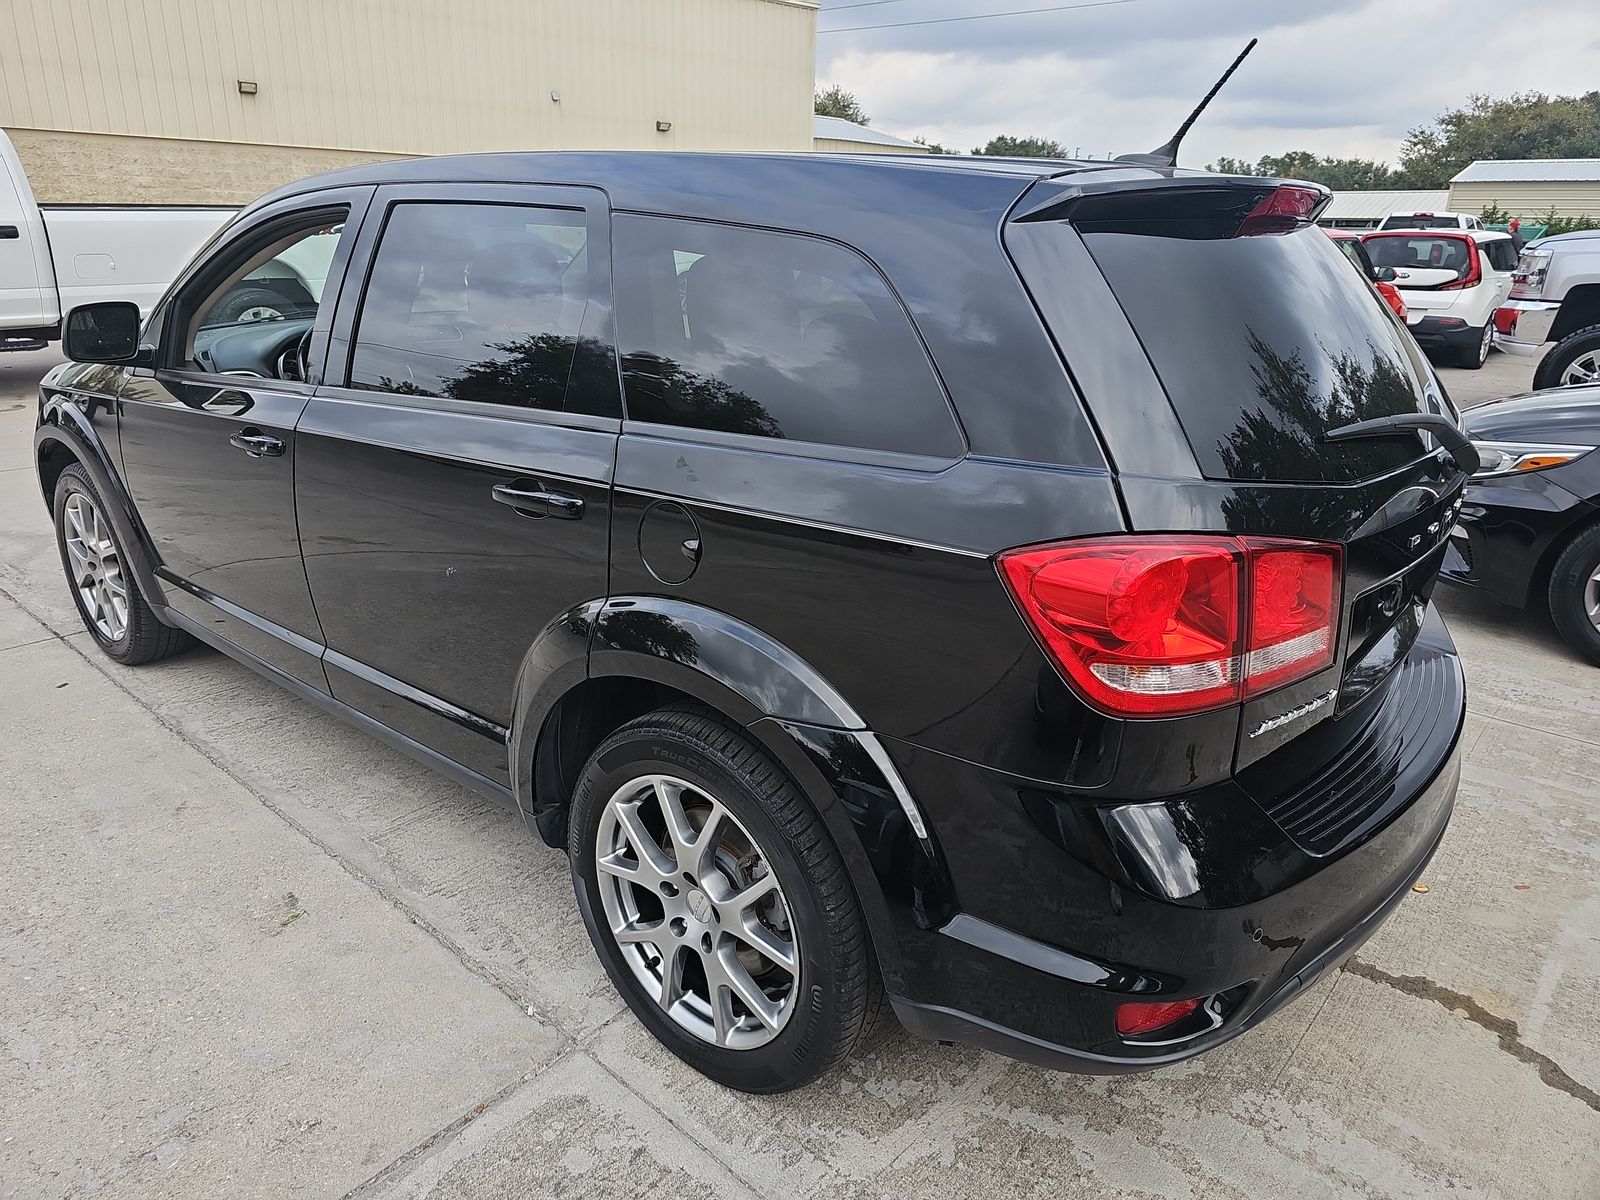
(1504, 1028)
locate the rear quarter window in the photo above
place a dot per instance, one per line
(772, 335)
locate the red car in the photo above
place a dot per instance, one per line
(1381, 277)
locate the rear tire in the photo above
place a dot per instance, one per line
(1574, 359)
(1575, 594)
(103, 586)
(1472, 358)
(667, 920)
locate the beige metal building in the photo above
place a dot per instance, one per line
(1530, 188)
(216, 101)
(835, 135)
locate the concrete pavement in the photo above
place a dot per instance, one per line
(251, 952)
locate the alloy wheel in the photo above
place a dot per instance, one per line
(699, 917)
(1583, 369)
(1591, 598)
(1486, 342)
(96, 567)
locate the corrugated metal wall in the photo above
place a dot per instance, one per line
(837, 146)
(1528, 199)
(416, 76)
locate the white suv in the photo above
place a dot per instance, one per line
(1452, 282)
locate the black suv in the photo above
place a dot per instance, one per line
(925, 579)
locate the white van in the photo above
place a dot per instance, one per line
(55, 258)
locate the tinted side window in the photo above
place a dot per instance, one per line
(1502, 255)
(775, 335)
(476, 302)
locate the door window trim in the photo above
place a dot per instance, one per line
(598, 320)
(256, 229)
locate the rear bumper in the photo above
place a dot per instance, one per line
(1523, 326)
(1441, 333)
(950, 1025)
(1073, 907)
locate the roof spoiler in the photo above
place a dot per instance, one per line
(1167, 155)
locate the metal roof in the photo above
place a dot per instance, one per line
(1356, 206)
(839, 130)
(1531, 170)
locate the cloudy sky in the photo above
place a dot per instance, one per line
(1341, 77)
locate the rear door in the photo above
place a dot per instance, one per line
(454, 472)
(1425, 265)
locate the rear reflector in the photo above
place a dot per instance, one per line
(1134, 1019)
(1168, 625)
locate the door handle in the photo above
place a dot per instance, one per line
(256, 444)
(534, 500)
(9, 233)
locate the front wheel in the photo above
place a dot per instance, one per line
(1575, 594)
(1574, 359)
(103, 587)
(717, 903)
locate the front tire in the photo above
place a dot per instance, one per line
(113, 609)
(1573, 360)
(718, 904)
(1575, 594)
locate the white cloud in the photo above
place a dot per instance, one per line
(1344, 78)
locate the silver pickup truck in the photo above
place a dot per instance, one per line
(1555, 297)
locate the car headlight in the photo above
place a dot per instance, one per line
(1519, 458)
(1532, 270)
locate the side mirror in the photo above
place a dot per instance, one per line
(102, 333)
(1384, 274)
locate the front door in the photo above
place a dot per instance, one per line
(454, 493)
(208, 437)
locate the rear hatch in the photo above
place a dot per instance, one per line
(1254, 339)
(1432, 270)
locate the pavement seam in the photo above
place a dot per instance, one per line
(439, 1138)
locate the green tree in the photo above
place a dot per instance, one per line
(1027, 147)
(1232, 166)
(1341, 174)
(933, 147)
(1525, 125)
(836, 102)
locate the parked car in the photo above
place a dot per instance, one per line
(55, 257)
(1555, 297)
(1431, 220)
(1452, 283)
(1529, 532)
(780, 570)
(1382, 278)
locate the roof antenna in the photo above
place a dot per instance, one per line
(1167, 156)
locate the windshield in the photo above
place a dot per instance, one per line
(1263, 345)
(1421, 252)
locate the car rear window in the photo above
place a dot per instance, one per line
(1263, 345)
(1428, 221)
(1421, 252)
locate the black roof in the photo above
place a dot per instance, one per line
(729, 186)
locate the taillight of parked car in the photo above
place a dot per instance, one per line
(1474, 275)
(1166, 625)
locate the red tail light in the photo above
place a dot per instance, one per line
(1474, 275)
(1134, 1019)
(1282, 210)
(1169, 625)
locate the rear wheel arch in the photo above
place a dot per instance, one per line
(589, 709)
